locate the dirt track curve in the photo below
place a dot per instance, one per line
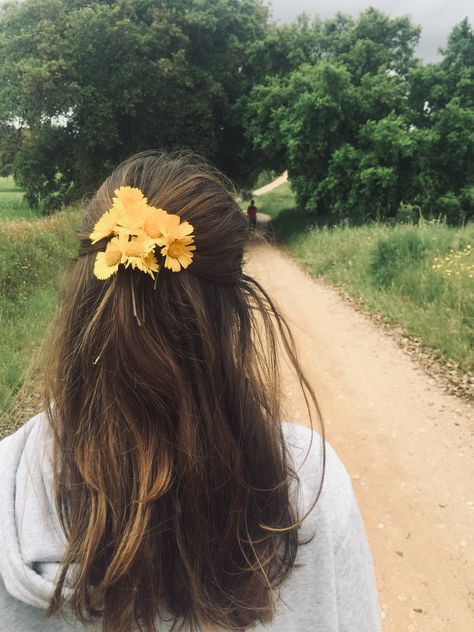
(407, 445)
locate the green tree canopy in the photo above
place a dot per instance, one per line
(364, 126)
(95, 81)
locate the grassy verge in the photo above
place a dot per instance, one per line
(12, 203)
(281, 200)
(32, 256)
(419, 276)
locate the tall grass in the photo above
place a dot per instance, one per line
(32, 257)
(12, 202)
(395, 270)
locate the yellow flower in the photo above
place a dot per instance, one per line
(131, 208)
(105, 226)
(137, 228)
(107, 263)
(128, 213)
(137, 252)
(176, 242)
(126, 198)
(178, 254)
(153, 222)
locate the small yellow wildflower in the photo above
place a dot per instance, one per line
(176, 242)
(178, 254)
(128, 213)
(137, 252)
(455, 264)
(104, 227)
(153, 222)
(107, 263)
(131, 208)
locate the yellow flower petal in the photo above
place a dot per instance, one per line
(185, 258)
(113, 252)
(131, 208)
(177, 255)
(104, 227)
(101, 268)
(185, 228)
(137, 253)
(147, 264)
(128, 197)
(135, 246)
(172, 264)
(169, 225)
(153, 222)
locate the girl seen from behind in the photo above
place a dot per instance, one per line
(160, 489)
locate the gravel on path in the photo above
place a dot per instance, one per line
(406, 443)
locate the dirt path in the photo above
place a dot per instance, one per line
(407, 445)
(272, 185)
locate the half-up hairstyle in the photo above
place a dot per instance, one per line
(172, 479)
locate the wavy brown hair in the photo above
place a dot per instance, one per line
(172, 478)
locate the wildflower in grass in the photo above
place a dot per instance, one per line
(457, 263)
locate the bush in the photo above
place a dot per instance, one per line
(393, 254)
(407, 213)
(449, 206)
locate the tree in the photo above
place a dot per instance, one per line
(340, 123)
(96, 81)
(365, 127)
(11, 140)
(441, 97)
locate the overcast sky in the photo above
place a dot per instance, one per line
(436, 17)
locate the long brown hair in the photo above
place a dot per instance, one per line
(172, 477)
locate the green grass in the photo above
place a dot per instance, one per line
(272, 204)
(12, 204)
(282, 198)
(32, 258)
(390, 269)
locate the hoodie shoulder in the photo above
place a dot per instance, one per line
(19, 437)
(336, 500)
(16, 616)
(21, 476)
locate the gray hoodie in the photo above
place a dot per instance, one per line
(332, 591)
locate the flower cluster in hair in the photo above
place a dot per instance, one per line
(137, 229)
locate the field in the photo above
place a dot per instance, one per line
(12, 204)
(420, 276)
(32, 256)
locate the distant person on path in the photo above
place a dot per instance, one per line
(252, 214)
(160, 488)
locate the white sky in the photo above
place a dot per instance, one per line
(436, 17)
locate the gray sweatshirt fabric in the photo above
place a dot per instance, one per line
(333, 589)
